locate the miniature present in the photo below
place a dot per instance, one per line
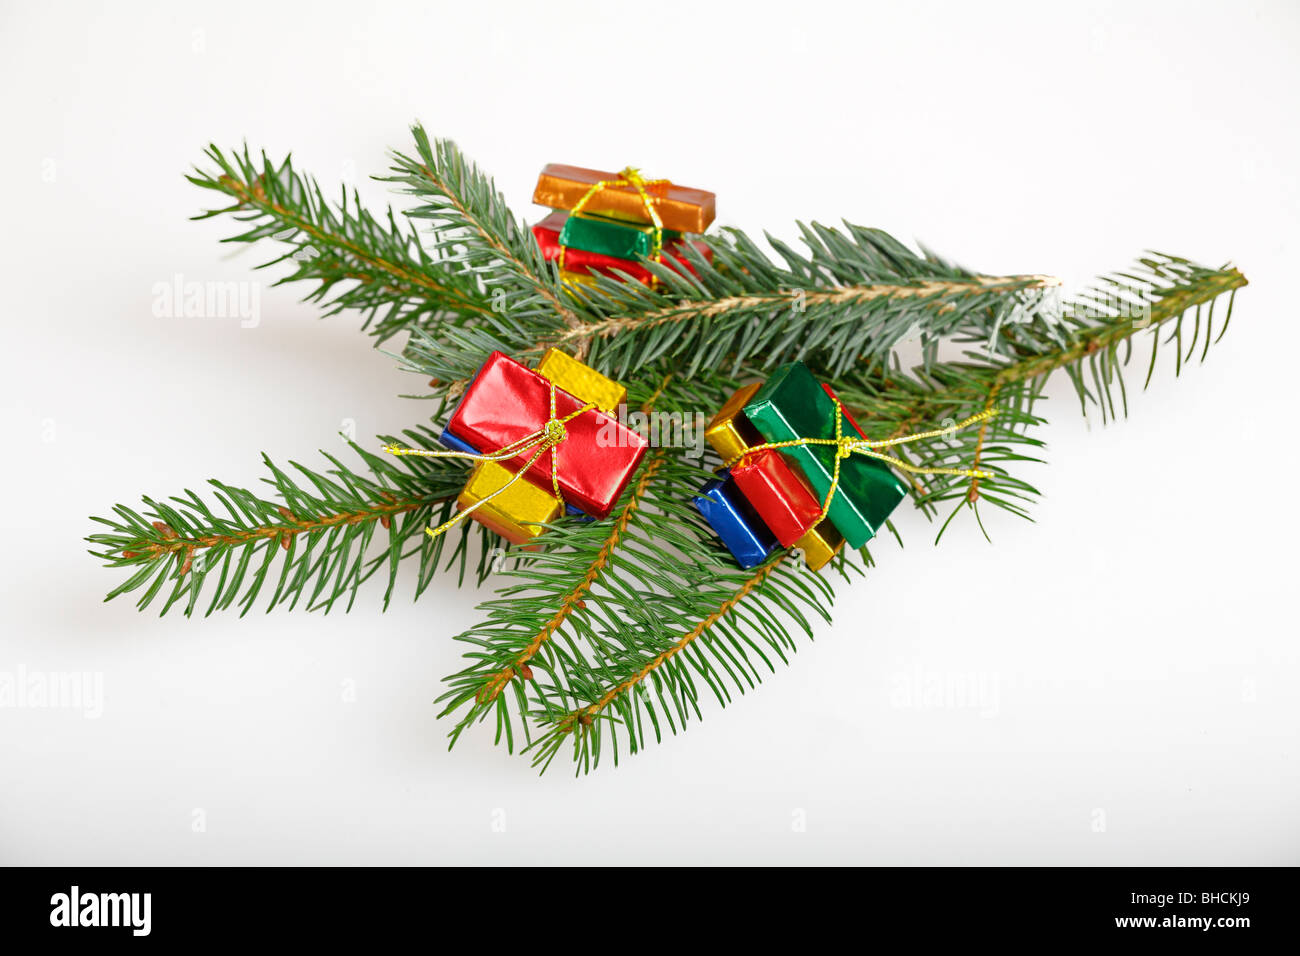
(624, 196)
(515, 510)
(507, 406)
(820, 544)
(582, 262)
(781, 498)
(792, 406)
(735, 521)
(609, 237)
(582, 381)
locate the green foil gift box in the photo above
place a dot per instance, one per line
(622, 240)
(793, 405)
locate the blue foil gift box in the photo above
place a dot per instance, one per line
(735, 521)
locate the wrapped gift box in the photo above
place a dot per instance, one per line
(820, 544)
(792, 404)
(506, 402)
(735, 521)
(581, 262)
(517, 512)
(609, 237)
(582, 381)
(779, 495)
(679, 207)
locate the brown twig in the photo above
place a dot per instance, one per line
(844, 295)
(172, 543)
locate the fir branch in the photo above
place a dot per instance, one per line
(323, 530)
(1091, 345)
(1169, 289)
(851, 299)
(613, 632)
(586, 715)
(470, 221)
(355, 261)
(1161, 290)
(981, 439)
(731, 629)
(496, 682)
(937, 295)
(665, 572)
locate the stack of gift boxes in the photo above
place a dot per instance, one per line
(600, 224)
(765, 499)
(504, 404)
(773, 497)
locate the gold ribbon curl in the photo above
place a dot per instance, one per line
(546, 438)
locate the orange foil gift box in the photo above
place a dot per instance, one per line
(680, 208)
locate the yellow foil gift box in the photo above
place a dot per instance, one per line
(820, 544)
(581, 381)
(516, 513)
(730, 433)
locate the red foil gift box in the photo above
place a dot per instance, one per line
(547, 233)
(787, 506)
(507, 402)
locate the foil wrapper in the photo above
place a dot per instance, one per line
(582, 381)
(507, 402)
(609, 237)
(517, 512)
(791, 405)
(680, 208)
(580, 262)
(780, 496)
(820, 544)
(734, 521)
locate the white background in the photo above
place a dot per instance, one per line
(1136, 646)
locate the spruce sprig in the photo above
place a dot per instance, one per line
(615, 632)
(352, 259)
(324, 534)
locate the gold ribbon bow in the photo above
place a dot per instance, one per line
(630, 176)
(548, 437)
(846, 446)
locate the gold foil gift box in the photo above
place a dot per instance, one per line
(517, 513)
(581, 381)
